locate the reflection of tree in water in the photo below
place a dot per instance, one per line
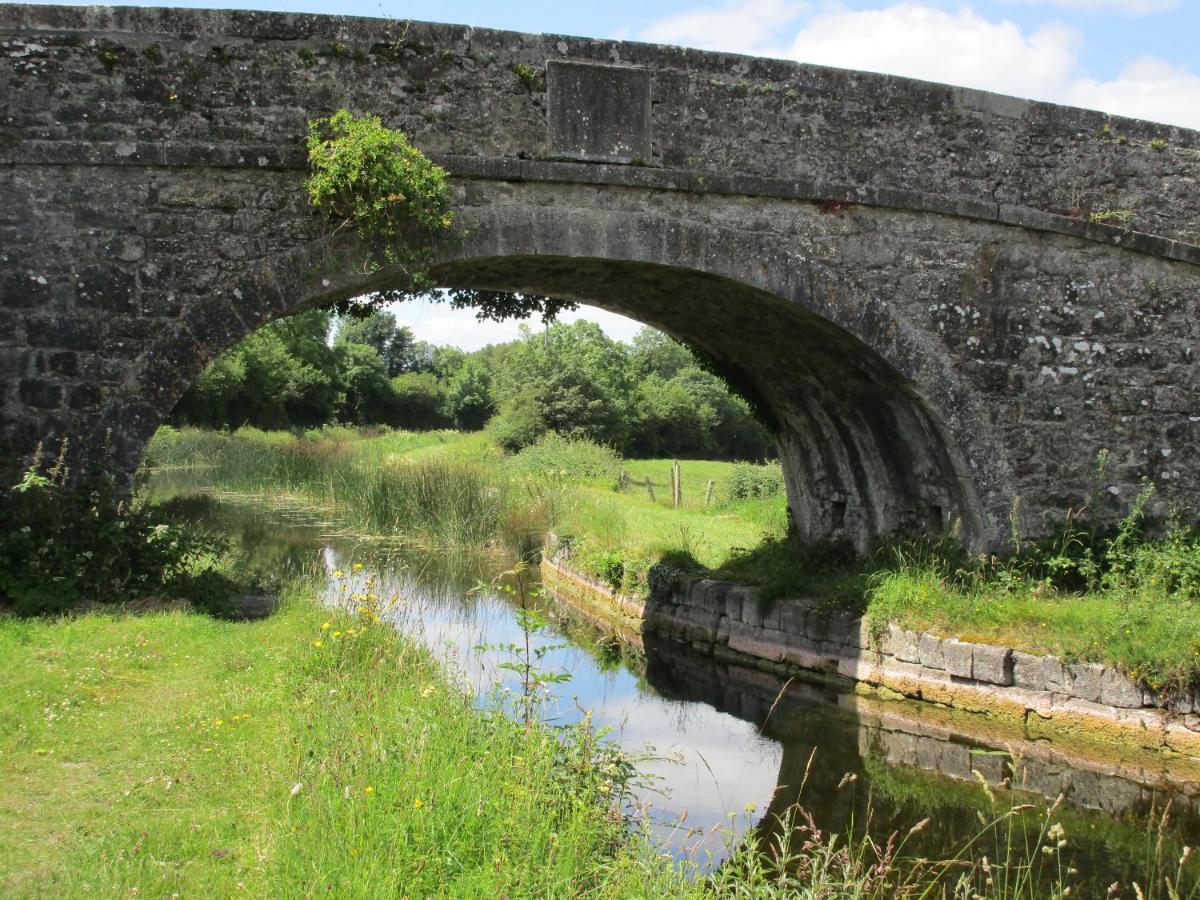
(858, 777)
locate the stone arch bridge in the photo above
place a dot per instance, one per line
(942, 298)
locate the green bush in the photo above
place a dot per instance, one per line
(371, 178)
(519, 422)
(70, 541)
(558, 457)
(753, 482)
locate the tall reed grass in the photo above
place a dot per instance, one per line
(439, 500)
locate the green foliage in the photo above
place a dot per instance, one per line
(74, 541)
(753, 482)
(366, 392)
(560, 459)
(469, 402)
(282, 376)
(419, 402)
(370, 178)
(650, 399)
(1122, 598)
(378, 329)
(528, 76)
(519, 422)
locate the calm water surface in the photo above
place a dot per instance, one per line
(728, 747)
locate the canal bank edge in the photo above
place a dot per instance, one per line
(1082, 709)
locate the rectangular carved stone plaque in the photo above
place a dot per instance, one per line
(598, 112)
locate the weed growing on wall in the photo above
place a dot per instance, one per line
(370, 178)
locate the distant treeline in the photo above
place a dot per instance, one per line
(647, 398)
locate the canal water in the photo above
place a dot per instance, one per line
(726, 748)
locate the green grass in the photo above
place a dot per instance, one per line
(1149, 634)
(161, 754)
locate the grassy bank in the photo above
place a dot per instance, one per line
(307, 754)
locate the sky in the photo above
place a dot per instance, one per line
(1138, 58)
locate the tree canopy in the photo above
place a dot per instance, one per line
(651, 397)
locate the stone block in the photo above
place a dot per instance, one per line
(991, 765)
(859, 668)
(901, 643)
(929, 753)
(930, 652)
(598, 112)
(992, 664)
(762, 643)
(1029, 671)
(793, 617)
(751, 612)
(733, 602)
(1058, 679)
(1118, 689)
(859, 635)
(899, 747)
(956, 761)
(714, 597)
(1087, 680)
(841, 628)
(957, 657)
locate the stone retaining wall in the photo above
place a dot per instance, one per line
(1040, 697)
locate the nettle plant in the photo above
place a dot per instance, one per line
(370, 178)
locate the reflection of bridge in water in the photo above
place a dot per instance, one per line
(908, 767)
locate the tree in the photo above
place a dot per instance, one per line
(283, 375)
(379, 330)
(418, 402)
(367, 393)
(671, 420)
(655, 353)
(468, 397)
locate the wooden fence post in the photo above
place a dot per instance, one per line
(676, 488)
(708, 492)
(649, 488)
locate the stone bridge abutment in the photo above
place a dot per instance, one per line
(919, 285)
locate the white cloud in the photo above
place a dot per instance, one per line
(742, 27)
(918, 40)
(1147, 89)
(1128, 7)
(962, 48)
(439, 324)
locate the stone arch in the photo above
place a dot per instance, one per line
(875, 434)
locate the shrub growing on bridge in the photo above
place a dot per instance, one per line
(371, 178)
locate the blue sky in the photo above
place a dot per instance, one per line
(1138, 58)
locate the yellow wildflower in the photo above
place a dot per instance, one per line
(358, 567)
(337, 634)
(368, 790)
(339, 574)
(417, 804)
(317, 643)
(325, 626)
